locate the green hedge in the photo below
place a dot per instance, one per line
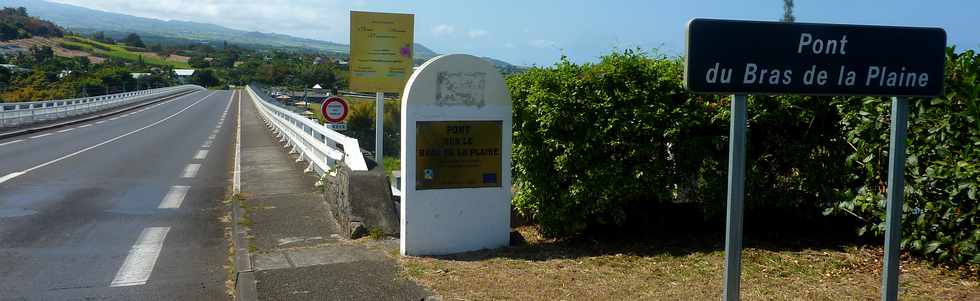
(601, 144)
(941, 214)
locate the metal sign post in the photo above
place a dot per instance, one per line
(379, 125)
(736, 193)
(896, 191)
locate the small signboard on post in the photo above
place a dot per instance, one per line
(455, 157)
(334, 111)
(725, 56)
(381, 59)
(742, 57)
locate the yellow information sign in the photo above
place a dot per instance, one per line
(457, 154)
(381, 49)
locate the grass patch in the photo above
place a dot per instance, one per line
(392, 163)
(376, 233)
(676, 269)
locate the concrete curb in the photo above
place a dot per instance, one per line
(244, 279)
(89, 118)
(245, 289)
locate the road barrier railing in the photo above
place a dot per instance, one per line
(24, 113)
(313, 142)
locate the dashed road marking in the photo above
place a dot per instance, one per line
(190, 171)
(39, 136)
(201, 154)
(85, 126)
(66, 130)
(174, 197)
(142, 257)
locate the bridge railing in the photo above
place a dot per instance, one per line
(24, 113)
(313, 142)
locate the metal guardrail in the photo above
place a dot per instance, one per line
(315, 143)
(24, 113)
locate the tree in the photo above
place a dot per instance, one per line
(198, 62)
(101, 37)
(205, 78)
(134, 40)
(788, 11)
(42, 54)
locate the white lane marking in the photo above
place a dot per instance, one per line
(142, 257)
(212, 137)
(206, 144)
(11, 142)
(10, 176)
(16, 174)
(190, 171)
(201, 154)
(66, 130)
(215, 131)
(174, 197)
(237, 181)
(85, 126)
(100, 122)
(113, 118)
(39, 136)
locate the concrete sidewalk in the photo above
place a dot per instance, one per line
(296, 250)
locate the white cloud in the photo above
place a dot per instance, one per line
(477, 33)
(443, 30)
(542, 43)
(509, 45)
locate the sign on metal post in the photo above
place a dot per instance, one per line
(334, 111)
(749, 57)
(381, 51)
(381, 59)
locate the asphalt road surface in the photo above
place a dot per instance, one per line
(126, 207)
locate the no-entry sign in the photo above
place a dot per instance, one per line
(728, 56)
(334, 109)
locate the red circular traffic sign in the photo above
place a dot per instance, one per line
(334, 109)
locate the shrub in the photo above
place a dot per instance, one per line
(941, 213)
(360, 124)
(604, 129)
(607, 143)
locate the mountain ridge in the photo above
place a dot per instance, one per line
(85, 20)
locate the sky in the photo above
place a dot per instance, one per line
(531, 32)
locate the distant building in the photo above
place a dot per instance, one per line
(183, 75)
(15, 68)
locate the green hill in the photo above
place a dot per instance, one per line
(121, 52)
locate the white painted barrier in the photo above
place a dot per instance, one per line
(313, 142)
(24, 113)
